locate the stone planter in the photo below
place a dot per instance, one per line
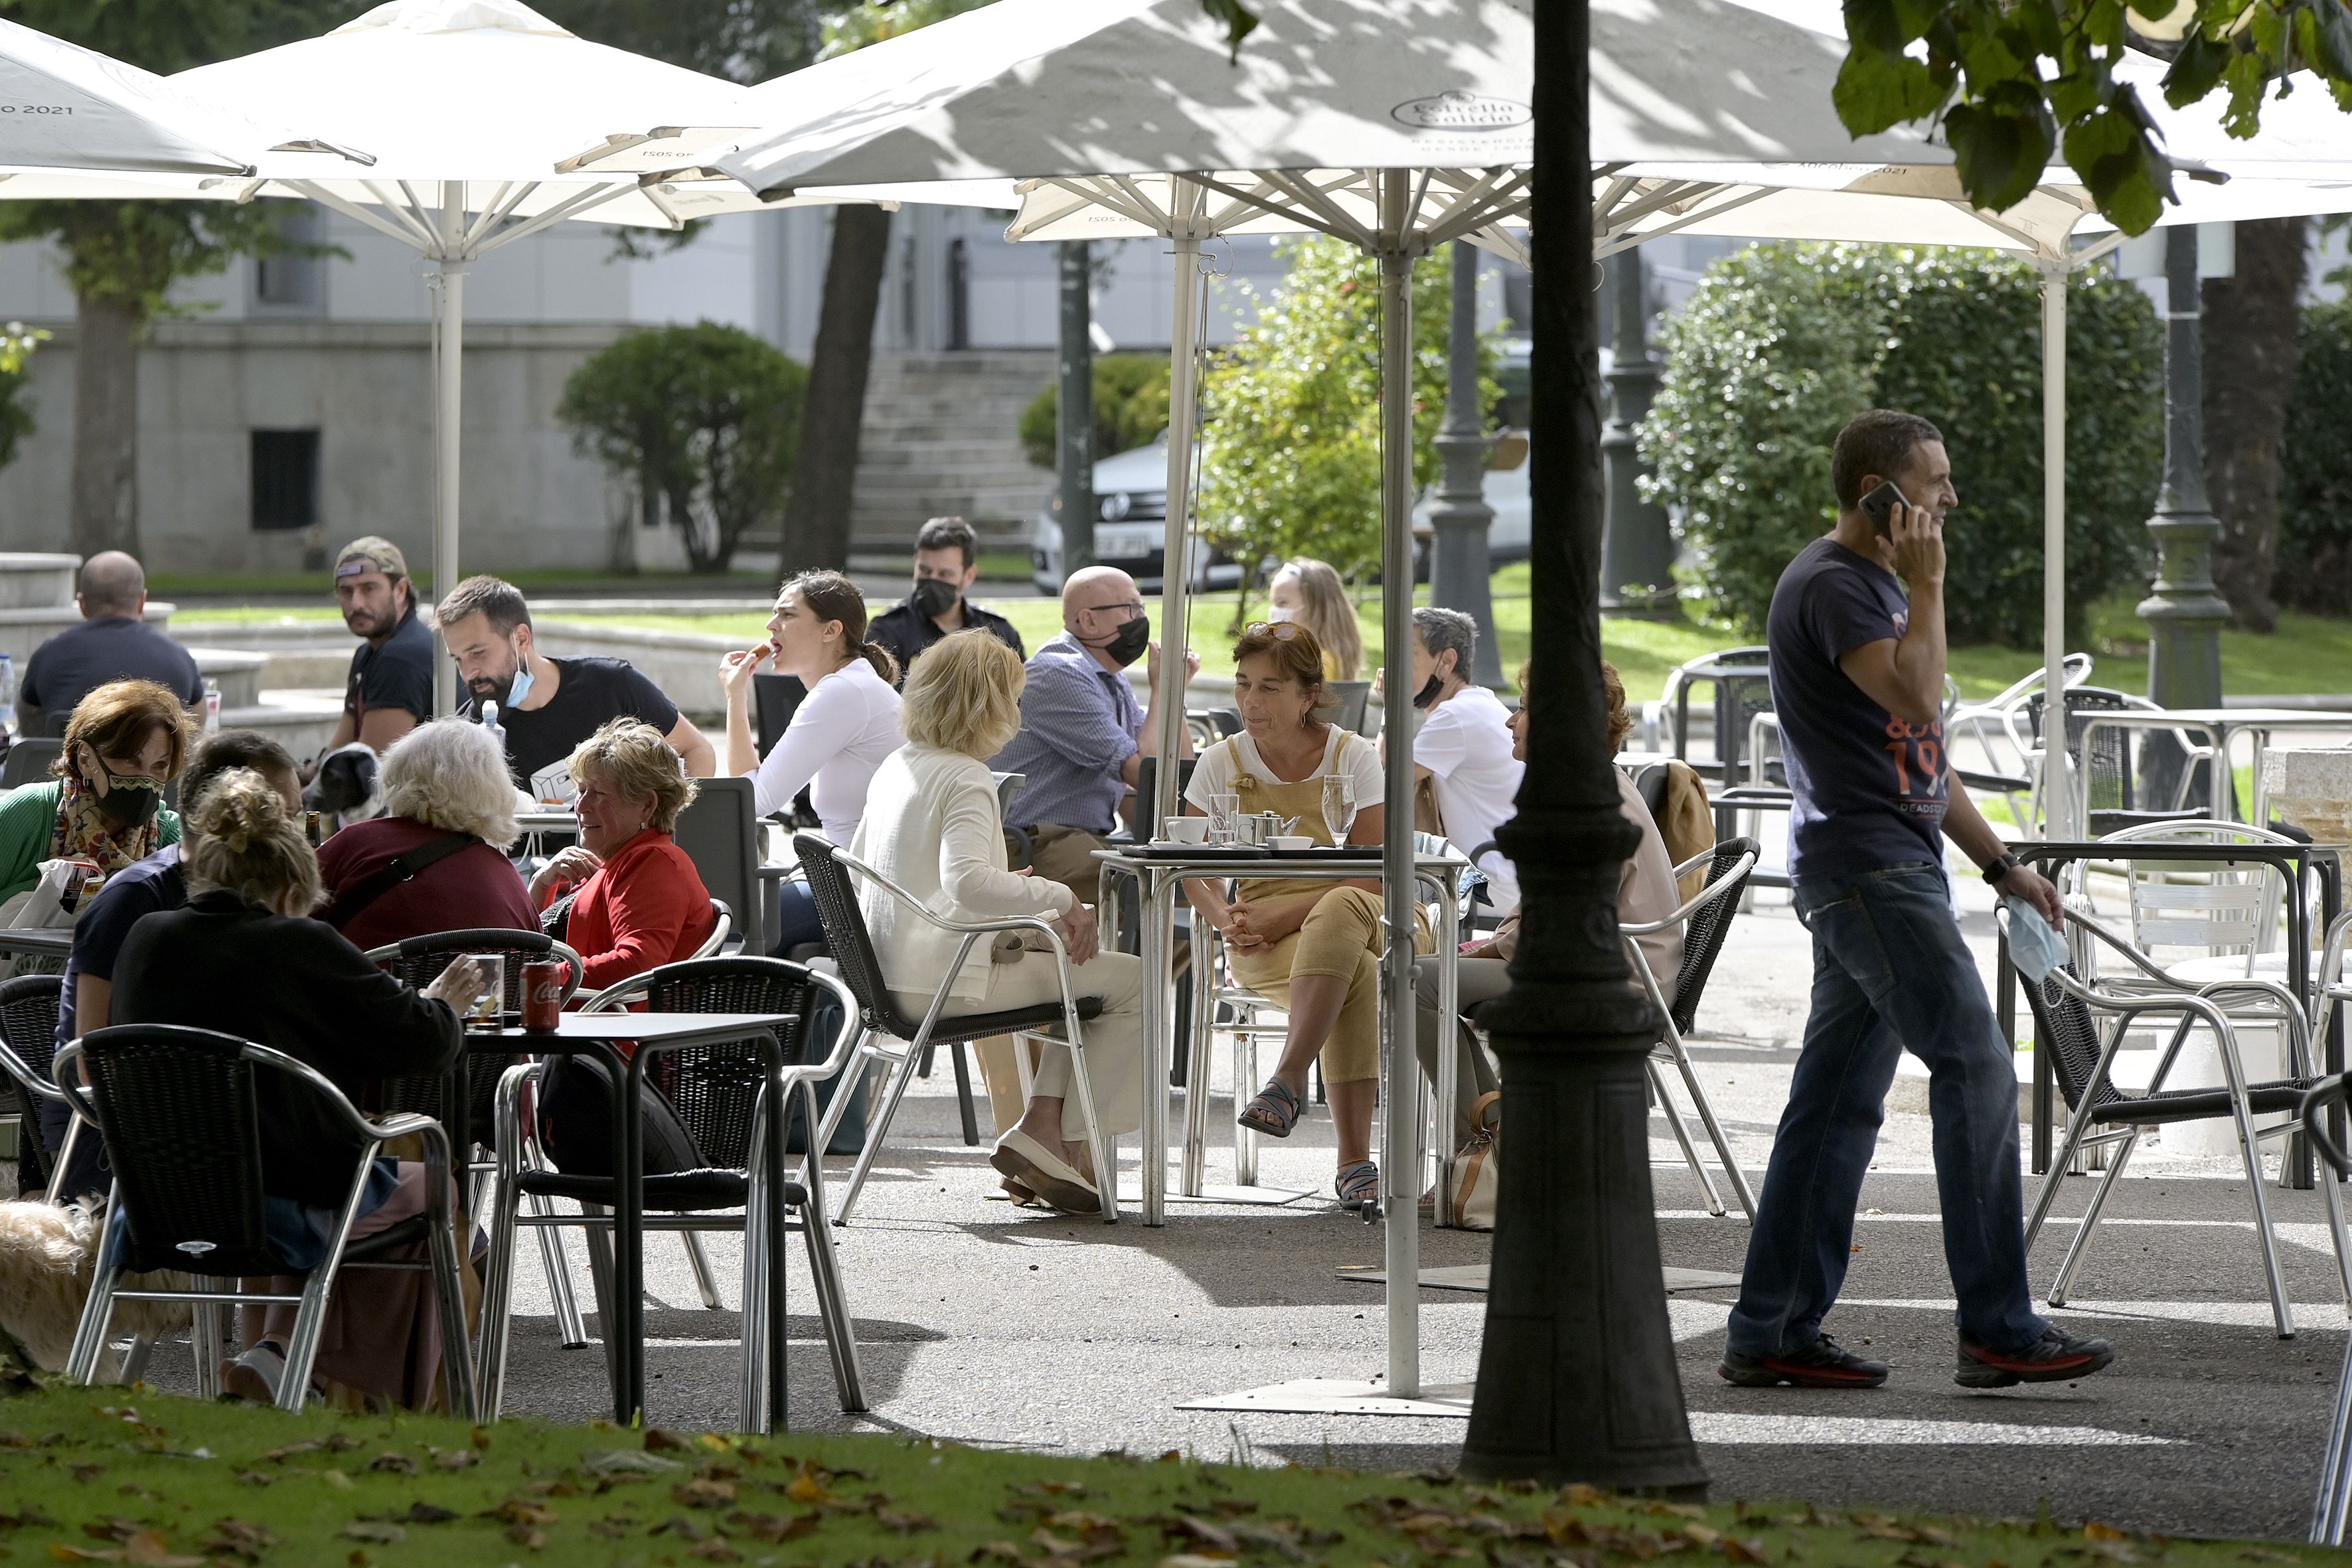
(2312, 788)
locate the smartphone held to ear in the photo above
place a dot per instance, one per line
(1879, 504)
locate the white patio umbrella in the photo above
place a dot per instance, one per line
(64, 107)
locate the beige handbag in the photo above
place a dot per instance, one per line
(1477, 1173)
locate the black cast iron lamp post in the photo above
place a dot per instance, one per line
(1637, 547)
(1577, 1377)
(1459, 566)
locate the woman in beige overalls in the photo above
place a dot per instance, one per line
(1312, 947)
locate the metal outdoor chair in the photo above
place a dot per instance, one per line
(180, 1115)
(1742, 682)
(2322, 1104)
(725, 1099)
(2109, 784)
(1705, 921)
(881, 1018)
(2000, 716)
(28, 1035)
(2084, 1027)
(28, 760)
(719, 832)
(418, 961)
(1344, 702)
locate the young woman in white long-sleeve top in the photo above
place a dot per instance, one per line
(839, 735)
(933, 828)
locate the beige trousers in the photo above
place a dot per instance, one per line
(1113, 1039)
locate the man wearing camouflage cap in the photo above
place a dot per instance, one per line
(389, 690)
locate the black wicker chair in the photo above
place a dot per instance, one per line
(829, 870)
(178, 1109)
(29, 1039)
(418, 961)
(719, 1094)
(2067, 1016)
(1705, 922)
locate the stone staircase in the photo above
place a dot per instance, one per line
(941, 436)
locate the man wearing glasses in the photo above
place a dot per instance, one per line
(1083, 734)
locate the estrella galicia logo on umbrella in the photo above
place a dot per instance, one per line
(1462, 111)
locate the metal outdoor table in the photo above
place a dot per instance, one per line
(1158, 871)
(599, 1034)
(2295, 862)
(55, 942)
(2223, 725)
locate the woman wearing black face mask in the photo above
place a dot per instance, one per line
(125, 743)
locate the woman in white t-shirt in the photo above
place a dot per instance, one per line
(1464, 747)
(839, 735)
(1312, 947)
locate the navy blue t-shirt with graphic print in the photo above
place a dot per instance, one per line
(1870, 789)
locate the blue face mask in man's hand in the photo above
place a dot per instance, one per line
(2034, 947)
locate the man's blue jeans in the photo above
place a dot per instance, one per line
(1890, 971)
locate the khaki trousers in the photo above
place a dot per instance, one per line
(1113, 1038)
(1340, 939)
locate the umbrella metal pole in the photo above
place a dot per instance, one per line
(1401, 1104)
(448, 395)
(1175, 628)
(2057, 788)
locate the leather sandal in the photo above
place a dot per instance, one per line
(1359, 1186)
(1273, 1111)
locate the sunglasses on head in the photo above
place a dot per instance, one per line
(1280, 631)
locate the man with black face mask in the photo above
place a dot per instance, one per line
(1083, 734)
(947, 563)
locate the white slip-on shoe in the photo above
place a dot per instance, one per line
(256, 1375)
(1044, 1172)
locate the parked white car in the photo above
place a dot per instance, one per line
(1130, 527)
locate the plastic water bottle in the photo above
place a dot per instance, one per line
(212, 705)
(8, 691)
(491, 723)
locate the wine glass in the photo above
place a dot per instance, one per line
(1339, 805)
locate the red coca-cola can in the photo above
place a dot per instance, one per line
(543, 994)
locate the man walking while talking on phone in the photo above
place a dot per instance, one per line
(1858, 682)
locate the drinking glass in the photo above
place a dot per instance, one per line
(490, 1002)
(1222, 811)
(1339, 805)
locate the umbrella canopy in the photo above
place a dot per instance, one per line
(69, 107)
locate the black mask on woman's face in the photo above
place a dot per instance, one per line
(1427, 696)
(934, 597)
(1127, 643)
(129, 800)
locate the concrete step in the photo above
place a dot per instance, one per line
(235, 671)
(299, 655)
(32, 581)
(302, 721)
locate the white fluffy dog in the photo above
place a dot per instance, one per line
(46, 1263)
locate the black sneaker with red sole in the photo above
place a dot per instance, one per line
(2056, 1357)
(1824, 1363)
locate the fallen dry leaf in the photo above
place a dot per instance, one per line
(2094, 1530)
(150, 1550)
(394, 1464)
(907, 1522)
(656, 1438)
(238, 1538)
(375, 1532)
(715, 1550)
(522, 1510)
(703, 1493)
(771, 1527)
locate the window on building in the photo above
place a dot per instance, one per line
(289, 280)
(285, 480)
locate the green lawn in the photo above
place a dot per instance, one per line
(132, 1476)
(2306, 654)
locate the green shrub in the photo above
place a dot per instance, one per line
(18, 343)
(707, 417)
(1783, 343)
(2314, 546)
(1130, 408)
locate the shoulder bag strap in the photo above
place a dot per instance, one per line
(401, 868)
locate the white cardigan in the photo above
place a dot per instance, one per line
(932, 827)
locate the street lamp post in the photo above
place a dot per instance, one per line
(1459, 567)
(2184, 614)
(1577, 1379)
(1073, 425)
(1637, 547)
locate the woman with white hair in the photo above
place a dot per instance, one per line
(932, 827)
(436, 859)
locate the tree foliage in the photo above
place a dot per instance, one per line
(1781, 344)
(705, 417)
(744, 40)
(1290, 459)
(2314, 554)
(1130, 408)
(18, 343)
(871, 21)
(2013, 85)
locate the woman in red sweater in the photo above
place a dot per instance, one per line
(641, 903)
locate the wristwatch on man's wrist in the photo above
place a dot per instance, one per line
(1994, 870)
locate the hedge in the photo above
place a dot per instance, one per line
(1781, 344)
(2314, 546)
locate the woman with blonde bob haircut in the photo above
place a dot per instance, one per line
(640, 902)
(436, 860)
(932, 827)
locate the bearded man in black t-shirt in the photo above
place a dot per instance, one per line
(1858, 683)
(548, 705)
